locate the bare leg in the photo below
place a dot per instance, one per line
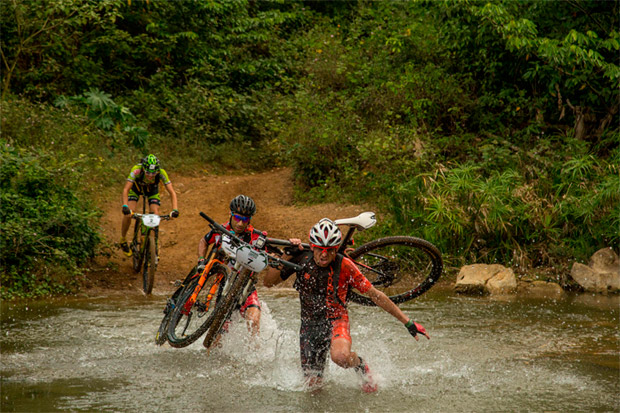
(127, 219)
(342, 355)
(252, 316)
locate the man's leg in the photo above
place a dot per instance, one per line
(342, 355)
(251, 312)
(314, 345)
(125, 224)
(127, 219)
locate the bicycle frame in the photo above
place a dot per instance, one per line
(146, 232)
(201, 282)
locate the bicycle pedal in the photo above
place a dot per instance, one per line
(177, 283)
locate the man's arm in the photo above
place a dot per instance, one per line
(126, 189)
(388, 305)
(202, 247)
(173, 195)
(272, 278)
(273, 274)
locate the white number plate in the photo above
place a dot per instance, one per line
(230, 250)
(251, 259)
(151, 220)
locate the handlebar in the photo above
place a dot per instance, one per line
(273, 261)
(135, 215)
(283, 243)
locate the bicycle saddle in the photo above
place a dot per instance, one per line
(363, 221)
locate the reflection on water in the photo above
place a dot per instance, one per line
(486, 354)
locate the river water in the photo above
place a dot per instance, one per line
(485, 354)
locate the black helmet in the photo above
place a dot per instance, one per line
(243, 205)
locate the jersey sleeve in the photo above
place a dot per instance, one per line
(355, 277)
(287, 271)
(134, 173)
(163, 176)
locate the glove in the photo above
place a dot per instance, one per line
(202, 263)
(415, 328)
(126, 210)
(174, 213)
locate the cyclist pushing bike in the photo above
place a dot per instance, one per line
(143, 180)
(242, 208)
(323, 286)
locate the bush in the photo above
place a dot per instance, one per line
(47, 231)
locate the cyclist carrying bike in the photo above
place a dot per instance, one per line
(323, 287)
(144, 179)
(242, 208)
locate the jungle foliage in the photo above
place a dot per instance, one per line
(488, 128)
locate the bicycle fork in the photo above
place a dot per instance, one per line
(201, 281)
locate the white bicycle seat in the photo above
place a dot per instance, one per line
(363, 221)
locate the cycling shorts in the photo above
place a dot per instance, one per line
(315, 342)
(152, 194)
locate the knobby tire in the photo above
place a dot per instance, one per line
(162, 333)
(223, 311)
(413, 261)
(150, 264)
(137, 254)
(197, 321)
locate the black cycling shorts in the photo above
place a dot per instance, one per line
(314, 343)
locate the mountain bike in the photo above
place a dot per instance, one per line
(205, 300)
(403, 267)
(144, 246)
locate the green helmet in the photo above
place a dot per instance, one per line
(150, 164)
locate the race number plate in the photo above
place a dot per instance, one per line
(230, 249)
(251, 259)
(151, 220)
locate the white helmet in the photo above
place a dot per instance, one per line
(325, 234)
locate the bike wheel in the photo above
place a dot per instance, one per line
(225, 309)
(135, 249)
(162, 333)
(192, 316)
(402, 267)
(150, 264)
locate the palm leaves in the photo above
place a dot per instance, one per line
(107, 114)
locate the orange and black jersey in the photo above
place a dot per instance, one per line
(323, 290)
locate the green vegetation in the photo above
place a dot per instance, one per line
(488, 128)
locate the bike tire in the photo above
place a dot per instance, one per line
(223, 311)
(135, 247)
(190, 320)
(150, 264)
(402, 267)
(162, 332)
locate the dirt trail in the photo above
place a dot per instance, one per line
(272, 191)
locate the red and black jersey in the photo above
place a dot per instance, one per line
(323, 290)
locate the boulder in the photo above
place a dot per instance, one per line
(602, 275)
(485, 279)
(541, 289)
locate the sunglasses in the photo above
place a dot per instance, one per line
(241, 218)
(326, 250)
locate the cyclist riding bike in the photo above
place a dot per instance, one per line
(143, 180)
(323, 287)
(242, 208)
